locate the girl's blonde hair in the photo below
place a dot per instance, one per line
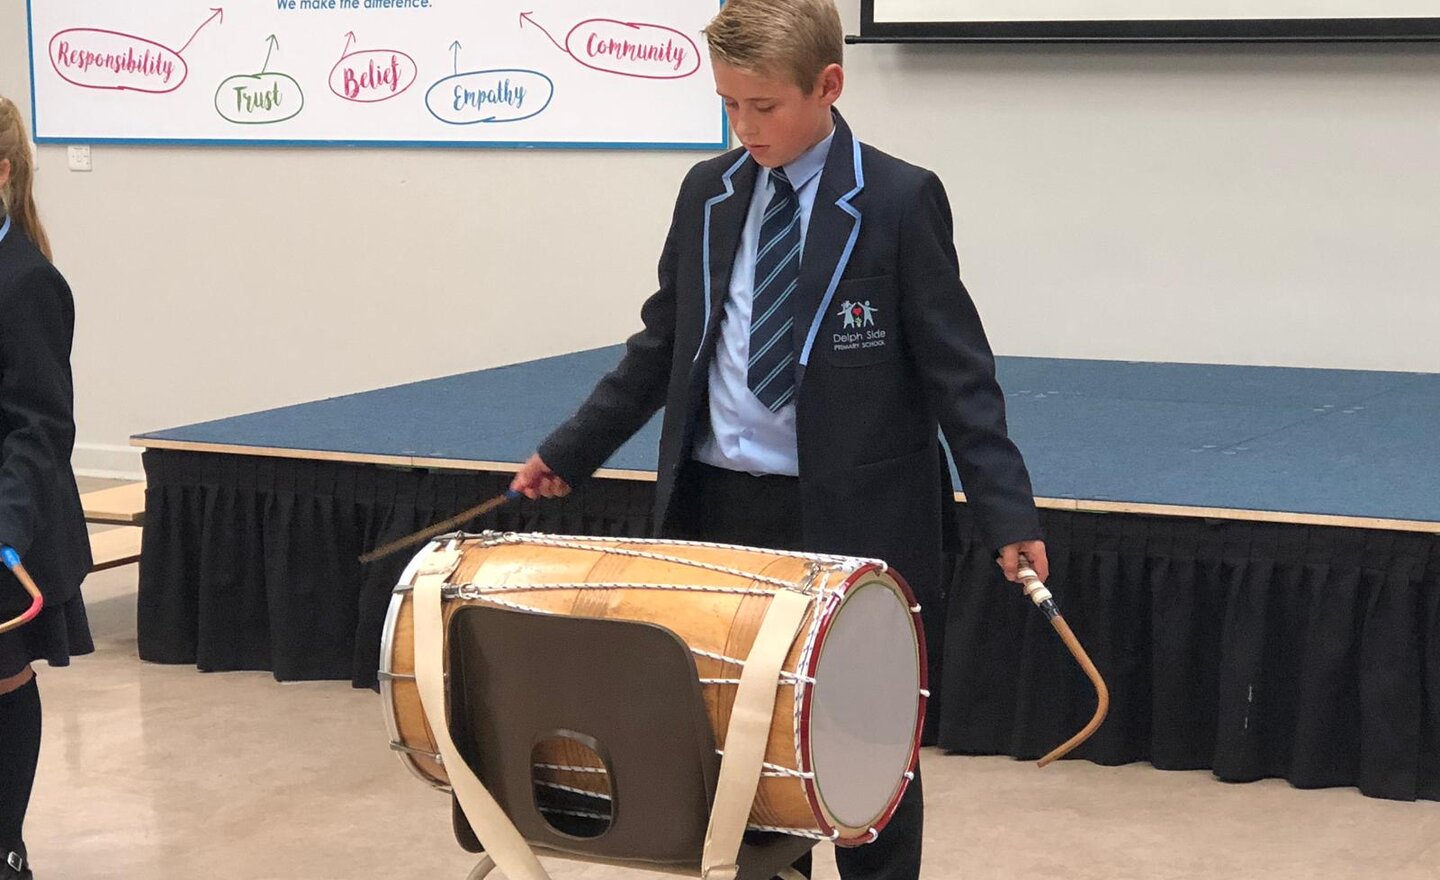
(18, 195)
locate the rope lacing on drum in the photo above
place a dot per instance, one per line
(545, 541)
(710, 655)
(485, 594)
(515, 606)
(474, 591)
(812, 638)
(566, 768)
(812, 584)
(830, 559)
(573, 790)
(785, 677)
(775, 770)
(771, 770)
(795, 832)
(579, 814)
(772, 829)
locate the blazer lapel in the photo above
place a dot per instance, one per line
(829, 240)
(724, 220)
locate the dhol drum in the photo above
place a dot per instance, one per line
(844, 739)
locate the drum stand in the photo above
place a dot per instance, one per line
(487, 865)
(628, 692)
(482, 870)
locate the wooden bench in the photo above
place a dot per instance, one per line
(123, 506)
(120, 505)
(115, 547)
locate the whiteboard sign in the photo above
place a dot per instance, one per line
(575, 73)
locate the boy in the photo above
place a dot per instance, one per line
(809, 336)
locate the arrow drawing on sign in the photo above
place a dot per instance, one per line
(349, 41)
(274, 44)
(525, 16)
(215, 12)
(455, 48)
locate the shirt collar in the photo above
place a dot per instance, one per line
(5, 228)
(807, 164)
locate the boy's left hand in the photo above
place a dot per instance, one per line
(1034, 551)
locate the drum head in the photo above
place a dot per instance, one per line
(865, 709)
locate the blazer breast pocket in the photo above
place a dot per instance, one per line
(862, 324)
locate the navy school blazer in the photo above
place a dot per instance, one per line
(40, 511)
(890, 348)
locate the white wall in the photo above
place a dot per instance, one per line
(1240, 204)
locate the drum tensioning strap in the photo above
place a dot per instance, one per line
(499, 836)
(745, 738)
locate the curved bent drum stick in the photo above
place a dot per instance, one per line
(37, 602)
(1046, 603)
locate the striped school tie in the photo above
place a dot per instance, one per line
(771, 375)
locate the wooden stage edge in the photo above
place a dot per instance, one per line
(1082, 506)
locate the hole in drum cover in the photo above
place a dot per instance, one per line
(572, 787)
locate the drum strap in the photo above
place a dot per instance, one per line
(501, 839)
(749, 733)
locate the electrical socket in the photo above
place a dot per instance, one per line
(79, 157)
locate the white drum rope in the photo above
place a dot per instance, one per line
(844, 562)
(473, 591)
(573, 544)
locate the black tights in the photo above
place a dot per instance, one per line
(19, 753)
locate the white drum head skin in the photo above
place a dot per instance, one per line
(866, 704)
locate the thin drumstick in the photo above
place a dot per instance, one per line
(440, 528)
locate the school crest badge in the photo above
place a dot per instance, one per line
(857, 314)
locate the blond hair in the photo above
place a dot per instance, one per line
(18, 194)
(796, 38)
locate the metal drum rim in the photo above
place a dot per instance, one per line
(387, 645)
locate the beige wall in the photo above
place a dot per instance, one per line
(1240, 204)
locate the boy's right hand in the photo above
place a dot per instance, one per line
(536, 480)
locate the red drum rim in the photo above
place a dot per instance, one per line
(853, 836)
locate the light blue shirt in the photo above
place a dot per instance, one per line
(744, 434)
(5, 229)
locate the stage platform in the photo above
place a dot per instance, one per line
(1325, 447)
(1251, 554)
